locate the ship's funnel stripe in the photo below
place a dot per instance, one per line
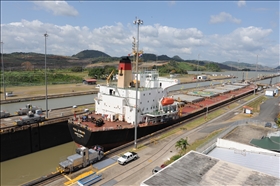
(125, 66)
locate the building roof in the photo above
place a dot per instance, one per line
(261, 162)
(247, 107)
(198, 169)
(267, 143)
(271, 89)
(90, 80)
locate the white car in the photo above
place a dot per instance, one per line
(127, 157)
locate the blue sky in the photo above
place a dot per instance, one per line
(217, 31)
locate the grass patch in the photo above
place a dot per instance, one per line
(256, 103)
(199, 121)
(203, 141)
(194, 146)
(249, 97)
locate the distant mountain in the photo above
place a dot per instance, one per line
(87, 57)
(177, 58)
(243, 65)
(90, 54)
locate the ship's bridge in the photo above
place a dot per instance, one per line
(151, 79)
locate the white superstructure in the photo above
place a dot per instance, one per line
(118, 102)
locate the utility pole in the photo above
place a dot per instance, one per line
(257, 66)
(197, 62)
(137, 22)
(46, 82)
(3, 71)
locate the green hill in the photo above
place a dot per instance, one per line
(90, 54)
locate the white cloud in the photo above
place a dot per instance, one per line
(116, 40)
(223, 17)
(57, 7)
(245, 44)
(241, 3)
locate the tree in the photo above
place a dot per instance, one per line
(182, 144)
(27, 65)
(108, 69)
(96, 72)
(77, 69)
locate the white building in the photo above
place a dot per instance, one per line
(271, 92)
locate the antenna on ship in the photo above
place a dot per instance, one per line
(137, 22)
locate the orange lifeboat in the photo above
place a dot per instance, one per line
(167, 101)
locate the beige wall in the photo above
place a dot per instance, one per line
(125, 79)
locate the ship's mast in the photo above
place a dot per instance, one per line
(134, 52)
(138, 22)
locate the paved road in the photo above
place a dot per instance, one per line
(269, 109)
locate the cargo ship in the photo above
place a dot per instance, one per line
(118, 108)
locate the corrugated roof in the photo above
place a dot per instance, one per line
(275, 139)
(90, 80)
(262, 162)
(266, 143)
(198, 169)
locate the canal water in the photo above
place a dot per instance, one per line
(27, 168)
(32, 166)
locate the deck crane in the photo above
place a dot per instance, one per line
(109, 77)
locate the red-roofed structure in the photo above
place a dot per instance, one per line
(90, 81)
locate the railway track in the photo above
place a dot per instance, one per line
(45, 180)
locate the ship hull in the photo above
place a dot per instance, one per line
(112, 138)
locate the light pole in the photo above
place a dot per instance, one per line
(2, 44)
(137, 22)
(257, 66)
(197, 62)
(46, 82)
(238, 69)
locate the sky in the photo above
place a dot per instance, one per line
(219, 31)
